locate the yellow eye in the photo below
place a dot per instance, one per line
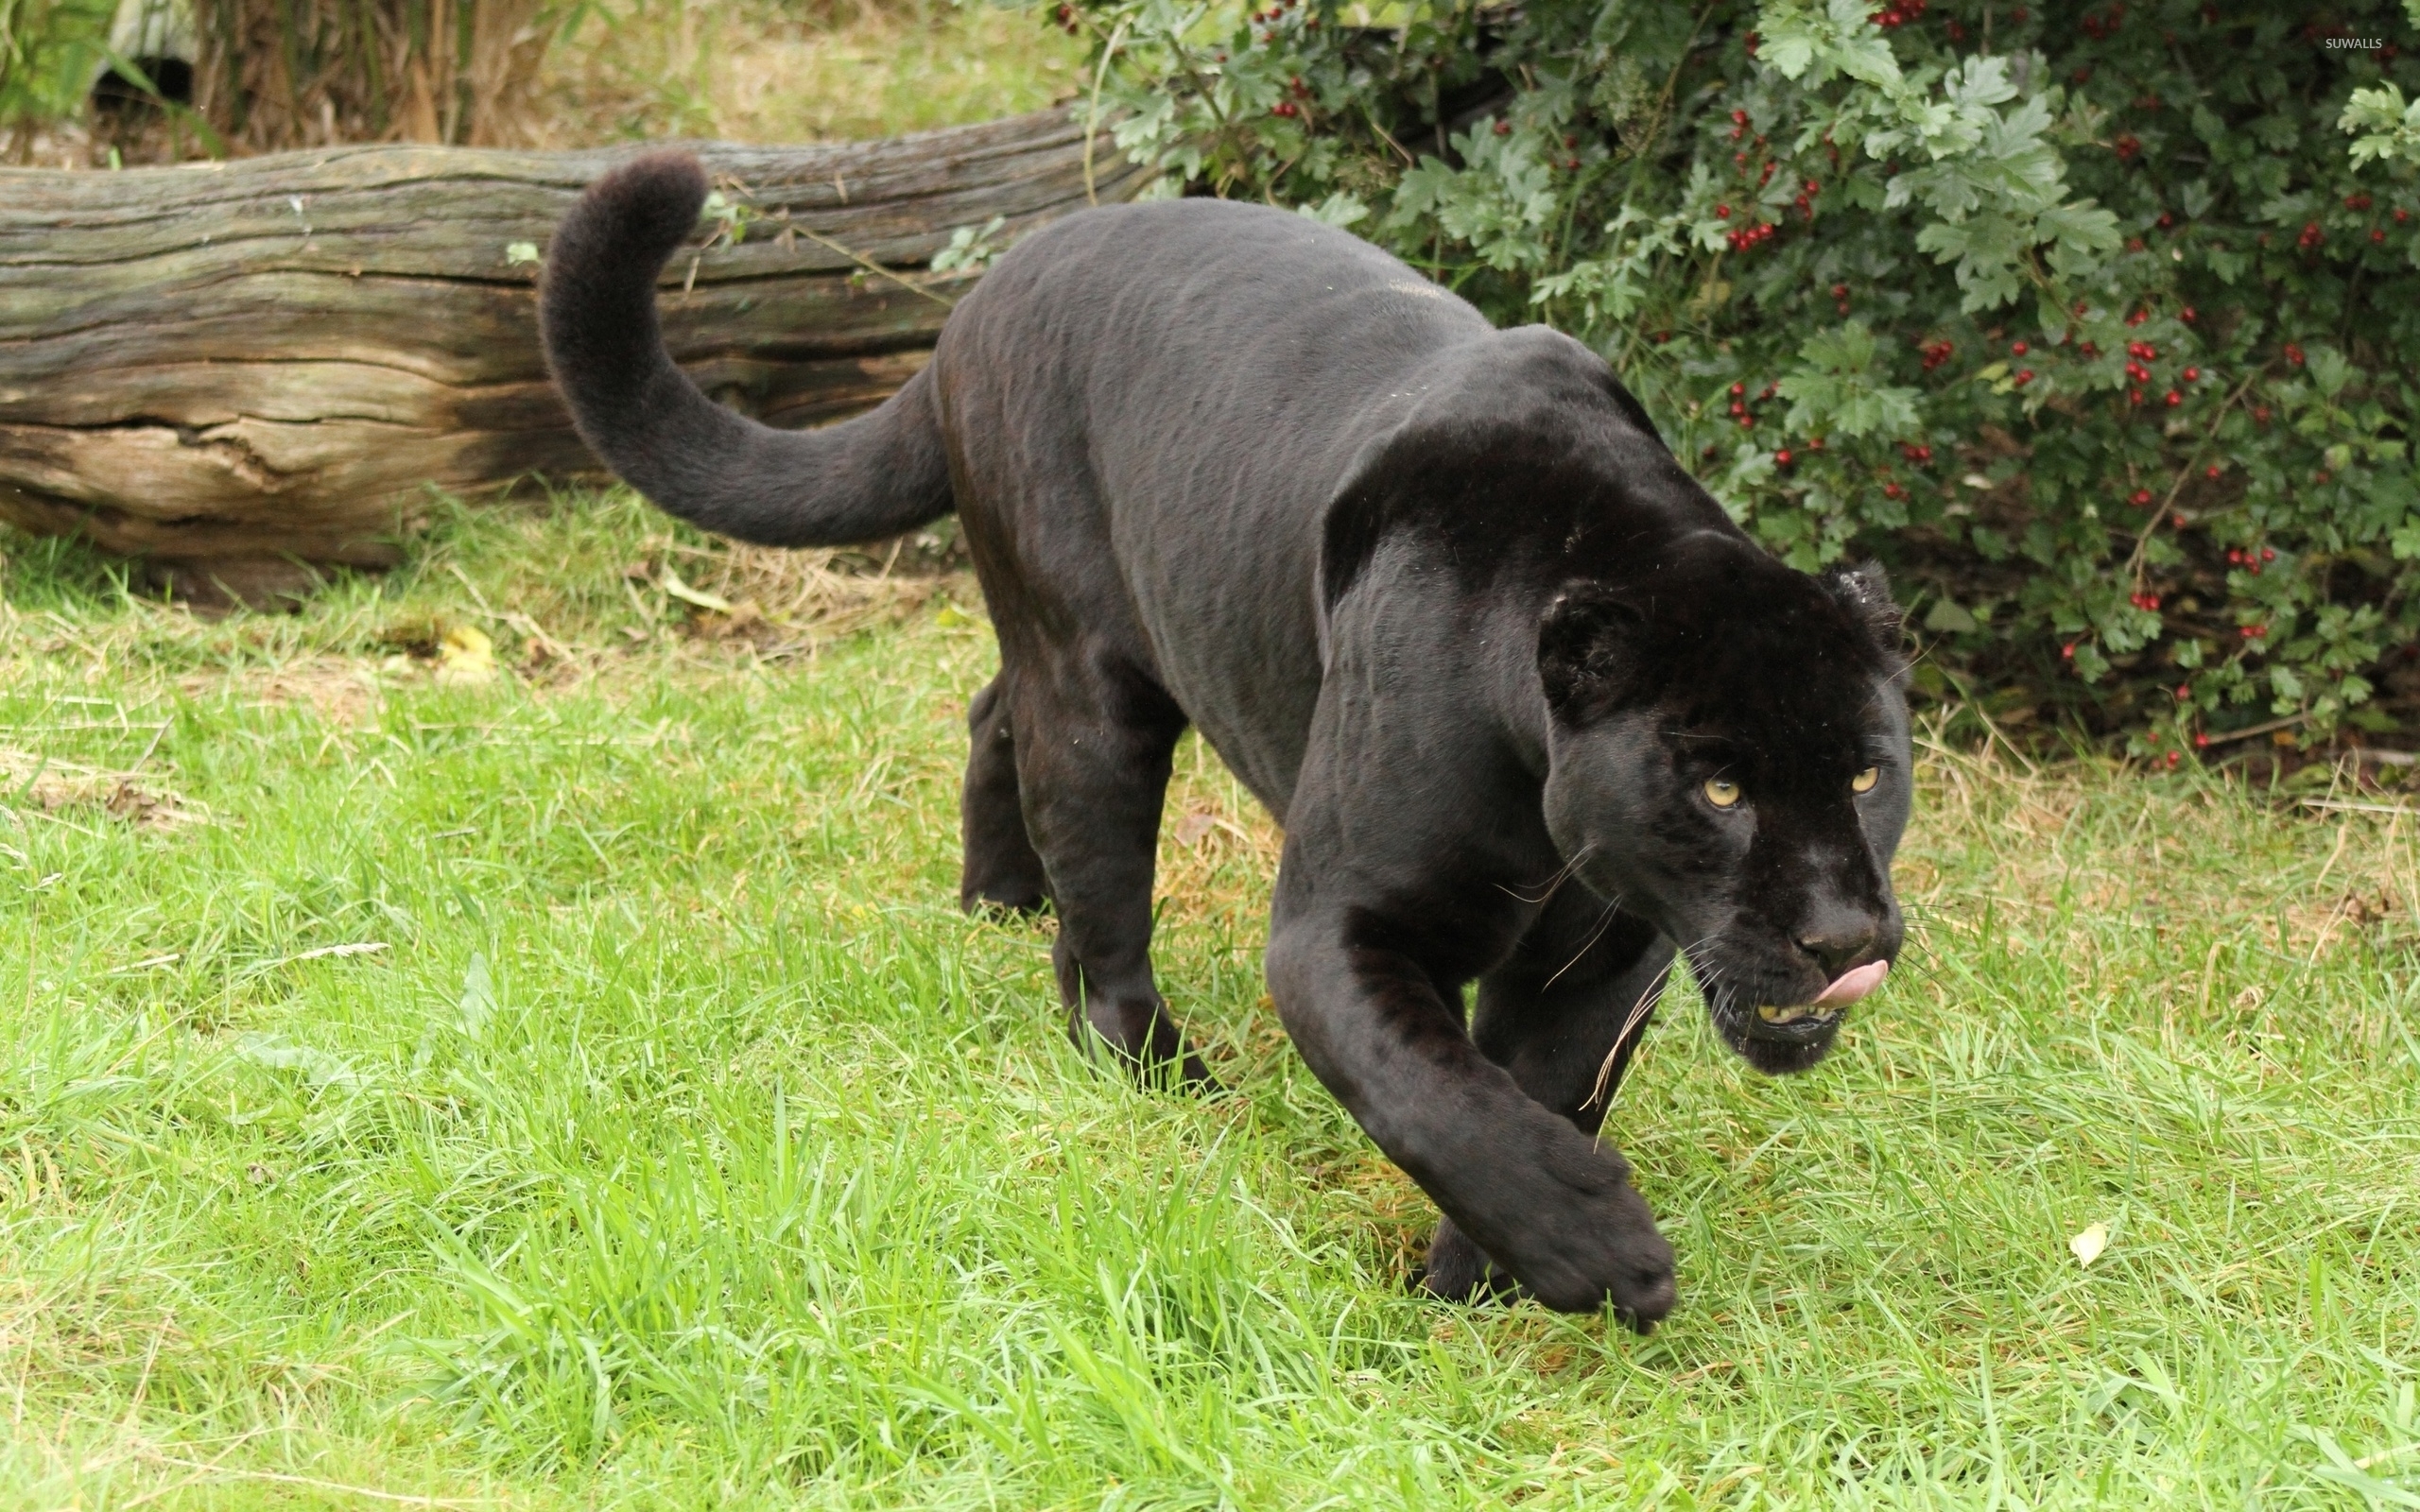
(1720, 792)
(1864, 781)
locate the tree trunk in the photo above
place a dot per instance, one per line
(278, 358)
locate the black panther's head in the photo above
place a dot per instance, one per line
(1728, 757)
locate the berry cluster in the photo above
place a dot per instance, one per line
(1739, 403)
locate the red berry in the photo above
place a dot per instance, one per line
(2142, 497)
(2187, 314)
(2379, 236)
(1503, 129)
(1839, 291)
(1782, 456)
(2293, 355)
(2019, 349)
(2201, 742)
(1723, 211)
(2192, 375)
(2068, 652)
(2024, 376)
(2212, 472)
(2184, 691)
(2268, 554)
(2174, 399)
(2174, 757)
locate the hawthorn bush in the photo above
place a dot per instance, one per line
(2100, 325)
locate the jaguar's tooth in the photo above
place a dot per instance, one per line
(1769, 1013)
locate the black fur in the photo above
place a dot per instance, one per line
(1436, 593)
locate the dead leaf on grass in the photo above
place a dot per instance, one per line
(465, 655)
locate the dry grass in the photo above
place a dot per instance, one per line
(2080, 841)
(282, 73)
(764, 73)
(505, 73)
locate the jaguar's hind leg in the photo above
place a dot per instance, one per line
(1001, 869)
(1564, 1015)
(1093, 751)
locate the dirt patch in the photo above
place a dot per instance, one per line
(51, 785)
(341, 690)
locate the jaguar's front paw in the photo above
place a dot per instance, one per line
(1596, 1245)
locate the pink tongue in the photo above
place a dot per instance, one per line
(1854, 984)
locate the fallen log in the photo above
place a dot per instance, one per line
(277, 359)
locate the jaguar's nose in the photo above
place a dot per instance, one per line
(1837, 942)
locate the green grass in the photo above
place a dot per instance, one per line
(680, 1146)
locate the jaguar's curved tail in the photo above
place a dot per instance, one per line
(869, 477)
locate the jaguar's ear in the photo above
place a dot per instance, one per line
(1587, 653)
(1864, 590)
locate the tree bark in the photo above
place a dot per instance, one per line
(280, 357)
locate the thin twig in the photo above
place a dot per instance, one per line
(1092, 111)
(873, 267)
(2150, 529)
(2274, 724)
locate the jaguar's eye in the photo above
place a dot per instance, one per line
(1721, 792)
(1864, 781)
